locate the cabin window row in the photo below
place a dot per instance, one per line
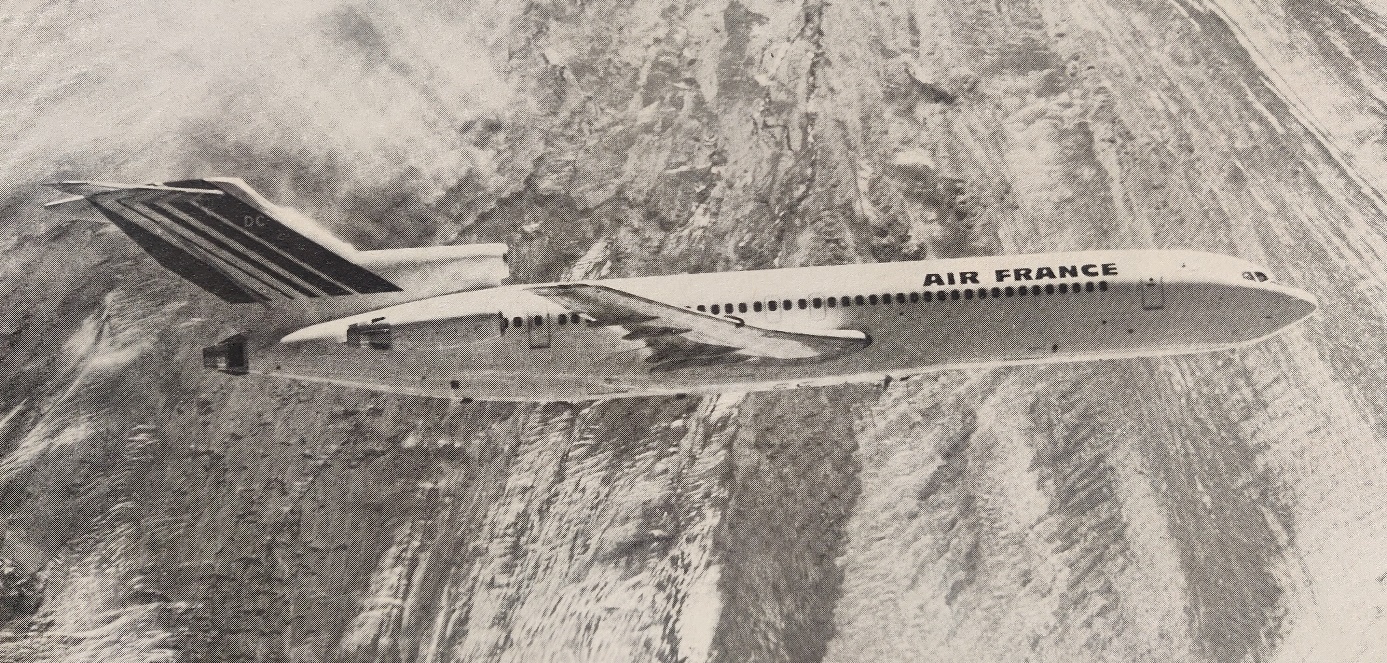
(538, 320)
(996, 292)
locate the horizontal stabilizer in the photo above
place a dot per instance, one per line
(82, 188)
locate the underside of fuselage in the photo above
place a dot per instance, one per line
(562, 356)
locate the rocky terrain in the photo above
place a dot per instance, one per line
(1222, 507)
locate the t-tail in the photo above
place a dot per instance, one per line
(229, 240)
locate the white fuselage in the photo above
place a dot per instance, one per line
(920, 316)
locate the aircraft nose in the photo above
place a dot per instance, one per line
(1298, 304)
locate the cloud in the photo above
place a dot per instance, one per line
(349, 96)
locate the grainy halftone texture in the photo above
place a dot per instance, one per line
(1224, 507)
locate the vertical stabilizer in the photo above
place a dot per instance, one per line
(224, 237)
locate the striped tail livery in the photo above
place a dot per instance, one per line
(224, 237)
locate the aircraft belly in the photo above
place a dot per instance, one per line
(479, 359)
(482, 363)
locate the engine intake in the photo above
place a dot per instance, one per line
(375, 334)
(228, 356)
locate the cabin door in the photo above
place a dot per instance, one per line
(539, 329)
(1153, 293)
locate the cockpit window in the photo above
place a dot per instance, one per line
(1256, 276)
(1261, 276)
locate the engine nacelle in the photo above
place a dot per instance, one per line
(229, 356)
(374, 334)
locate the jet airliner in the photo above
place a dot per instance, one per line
(441, 322)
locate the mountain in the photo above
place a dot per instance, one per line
(1221, 507)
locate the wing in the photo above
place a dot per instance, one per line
(223, 236)
(681, 338)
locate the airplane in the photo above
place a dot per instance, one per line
(440, 321)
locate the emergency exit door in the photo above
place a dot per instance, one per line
(1153, 293)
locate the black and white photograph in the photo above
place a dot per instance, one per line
(687, 331)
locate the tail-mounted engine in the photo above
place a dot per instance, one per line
(228, 356)
(375, 334)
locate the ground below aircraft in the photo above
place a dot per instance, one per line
(439, 321)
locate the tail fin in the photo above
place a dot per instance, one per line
(223, 236)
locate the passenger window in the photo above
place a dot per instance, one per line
(845, 300)
(859, 300)
(996, 292)
(943, 295)
(953, 294)
(741, 308)
(968, 293)
(886, 298)
(872, 299)
(702, 308)
(1011, 291)
(519, 322)
(1103, 286)
(1049, 288)
(818, 302)
(900, 298)
(787, 304)
(1035, 291)
(539, 320)
(832, 302)
(804, 303)
(982, 293)
(1064, 288)
(575, 319)
(774, 305)
(1088, 287)
(756, 306)
(563, 318)
(928, 296)
(914, 298)
(1021, 291)
(717, 309)
(727, 308)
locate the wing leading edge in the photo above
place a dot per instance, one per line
(680, 338)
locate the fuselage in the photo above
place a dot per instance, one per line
(506, 343)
